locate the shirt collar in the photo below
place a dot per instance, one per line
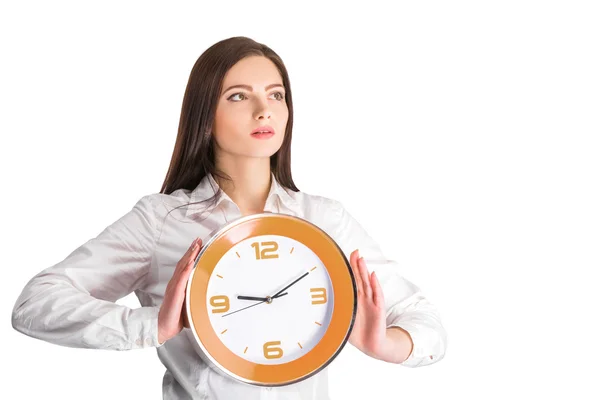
(208, 186)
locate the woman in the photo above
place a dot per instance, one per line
(221, 169)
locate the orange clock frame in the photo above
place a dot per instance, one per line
(208, 344)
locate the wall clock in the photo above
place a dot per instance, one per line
(271, 300)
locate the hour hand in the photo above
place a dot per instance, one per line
(258, 298)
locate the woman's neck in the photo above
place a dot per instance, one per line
(250, 182)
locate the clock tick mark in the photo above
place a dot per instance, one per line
(219, 276)
(224, 331)
(317, 323)
(238, 254)
(246, 349)
(299, 345)
(313, 268)
(291, 250)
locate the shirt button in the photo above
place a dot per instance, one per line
(149, 341)
(138, 342)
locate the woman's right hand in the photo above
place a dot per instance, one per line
(171, 318)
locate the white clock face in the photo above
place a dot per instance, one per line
(281, 329)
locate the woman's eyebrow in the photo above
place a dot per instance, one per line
(249, 88)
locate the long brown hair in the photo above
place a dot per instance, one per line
(194, 154)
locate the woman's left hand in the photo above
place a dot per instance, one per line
(369, 331)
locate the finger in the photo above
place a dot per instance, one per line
(378, 298)
(182, 282)
(193, 246)
(364, 276)
(354, 266)
(177, 298)
(195, 250)
(183, 271)
(187, 254)
(186, 323)
(186, 271)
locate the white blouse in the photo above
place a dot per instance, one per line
(73, 304)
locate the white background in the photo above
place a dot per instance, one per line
(463, 136)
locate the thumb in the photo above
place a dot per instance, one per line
(186, 323)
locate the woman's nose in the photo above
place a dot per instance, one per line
(262, 110)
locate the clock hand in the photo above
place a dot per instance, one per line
(257, 298)
(268, 298)
(262, 300)
(242, 309)
(278, 294)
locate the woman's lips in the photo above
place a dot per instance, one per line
(263, 128)
(265, 135)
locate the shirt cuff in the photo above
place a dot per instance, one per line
(145, 334)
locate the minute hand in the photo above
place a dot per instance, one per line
(288, 286)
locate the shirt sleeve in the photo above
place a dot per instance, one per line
(406, 305)
(72, 303)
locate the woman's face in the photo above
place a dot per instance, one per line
(240, 110)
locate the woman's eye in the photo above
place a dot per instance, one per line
(235, 94)
(281, 96)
